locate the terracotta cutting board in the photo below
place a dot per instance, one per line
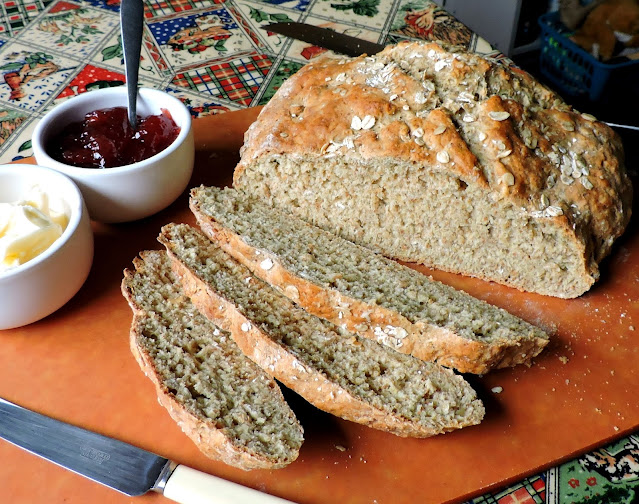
(76, 366)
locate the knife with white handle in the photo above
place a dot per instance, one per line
(116, 464)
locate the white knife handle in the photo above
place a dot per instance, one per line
(188, 486)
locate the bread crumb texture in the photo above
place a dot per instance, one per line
(337, 371)
(231, 409)
(362, 291)
(430, 154)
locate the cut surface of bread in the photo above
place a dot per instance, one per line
(341, 373)
(231, 409)
(437, 156)
(362, 291)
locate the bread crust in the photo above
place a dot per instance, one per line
(286, 368)
(209, 439)
(277, 360)
(423, 340)
(545, 158)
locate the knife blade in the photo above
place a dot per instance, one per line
(118, 465)
(326, 38)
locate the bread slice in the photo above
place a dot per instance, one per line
(227, 405)
(341, 373)
(364, 292)
(433, 155)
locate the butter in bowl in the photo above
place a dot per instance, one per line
(46, 243)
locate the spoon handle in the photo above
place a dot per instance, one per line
(131, 25)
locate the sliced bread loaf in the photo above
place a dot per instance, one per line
(226, 404)
(438, 156)
(364, 292)
(341, 373)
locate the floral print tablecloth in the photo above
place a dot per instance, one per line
(215, 57)
(212, 54)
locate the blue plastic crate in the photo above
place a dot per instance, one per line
(572, 70)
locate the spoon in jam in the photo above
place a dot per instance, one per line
(131, 25)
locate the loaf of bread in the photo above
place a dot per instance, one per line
(231, 409)
(434, 155)
(341, 373)
(362, 291)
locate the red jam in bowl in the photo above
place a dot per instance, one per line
(105, 139)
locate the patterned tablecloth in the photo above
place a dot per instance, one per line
(214, 55)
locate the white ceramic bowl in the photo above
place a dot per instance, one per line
(131, 192)
(39, 287)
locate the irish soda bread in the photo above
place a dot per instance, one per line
(439, 156)
(227, 405)
(341, 373)
(361, 291)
